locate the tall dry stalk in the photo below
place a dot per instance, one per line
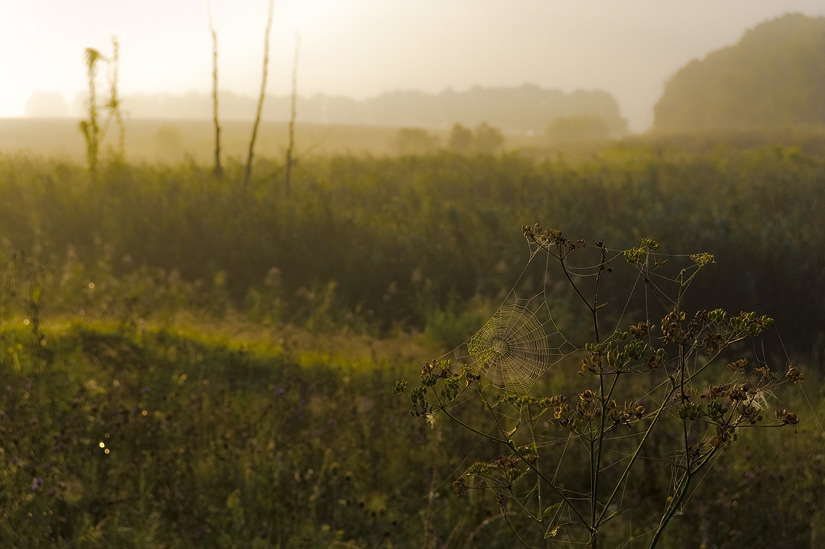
(90, 127)
(248, 173)
(113, 105)
(218, 168)
(292, 114)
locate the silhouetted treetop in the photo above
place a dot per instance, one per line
(773, 77)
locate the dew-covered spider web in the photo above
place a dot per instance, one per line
(512, 348)
(522, 340)
(563, 296)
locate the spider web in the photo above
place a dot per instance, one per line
(521, 340)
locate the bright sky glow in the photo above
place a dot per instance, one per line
(360, 48)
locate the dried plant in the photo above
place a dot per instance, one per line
(291, 147)
(92, 132)
(668, 388)
(90, 128)
(218, 170)
(250, 154)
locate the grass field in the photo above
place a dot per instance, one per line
(190, 362)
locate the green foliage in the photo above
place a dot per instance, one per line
(398, 237)
(451, 326)
(382, 246)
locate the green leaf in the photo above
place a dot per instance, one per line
(551, 510)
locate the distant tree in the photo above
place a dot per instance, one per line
(46, 104)
(415, 141)
(578, 128)
(487, 139)
(461, 139)
(773, 77)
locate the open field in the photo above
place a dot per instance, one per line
(173, 141)
(190, 361)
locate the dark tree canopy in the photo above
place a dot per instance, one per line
(774, 77)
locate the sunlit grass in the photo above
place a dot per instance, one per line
(371, 267)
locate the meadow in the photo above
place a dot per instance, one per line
(189, 360)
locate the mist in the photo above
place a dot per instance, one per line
(363, 48)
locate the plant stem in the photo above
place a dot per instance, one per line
(290, 148)
(218, 171)
(248, 173)
(679, 496)
(521, 457)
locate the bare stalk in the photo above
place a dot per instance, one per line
(218, 171)
(114, 102)
(292, 115)
(260, 99)
(90, 128)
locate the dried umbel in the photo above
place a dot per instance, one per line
(669, 373)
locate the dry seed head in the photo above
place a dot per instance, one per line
(794, 375)
(787, 418)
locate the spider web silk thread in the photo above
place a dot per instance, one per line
(521, 340)
(511, 348)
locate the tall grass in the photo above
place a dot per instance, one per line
(388, 241)
(276, 445)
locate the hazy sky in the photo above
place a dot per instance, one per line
(360, 48)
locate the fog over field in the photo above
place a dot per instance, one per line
(538, 273)
(362, 48)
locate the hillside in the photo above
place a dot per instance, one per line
(774, 77)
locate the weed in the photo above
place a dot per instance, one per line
(662, 390)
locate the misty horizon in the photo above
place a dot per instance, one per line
(362, 49)
(537, 107)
